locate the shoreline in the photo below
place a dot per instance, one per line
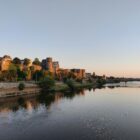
(34, 89)
(12, 92)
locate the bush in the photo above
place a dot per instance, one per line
(47, 83)
(101, 82)
(21, 86)
(71, 85)
(79, 80)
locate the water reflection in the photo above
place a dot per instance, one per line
(29, 103)
(33, 102)
(108, 113)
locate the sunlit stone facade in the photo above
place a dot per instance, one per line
(5, 62)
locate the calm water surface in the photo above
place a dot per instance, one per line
(101, 114)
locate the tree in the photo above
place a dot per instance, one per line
(21, 75)
(12, 72)
(36, 62)
(93, 75)
(100, 82)
(38, 75)
(70, 84)
(47, 84)
(16, 61)
(26, 61)
(21, 86)
(4, 75)
(12, 67)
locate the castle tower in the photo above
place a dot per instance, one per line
(49, 65)
(56, 66)
(5, 62)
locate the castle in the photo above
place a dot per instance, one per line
(47, 65)
(5, 62)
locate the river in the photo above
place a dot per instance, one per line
(110, 113)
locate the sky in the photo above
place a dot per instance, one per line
(102, 36)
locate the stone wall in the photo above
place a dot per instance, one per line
(5, 63)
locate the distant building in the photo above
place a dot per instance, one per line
(36, 67)
(56, 66)
(79, 73)
(31, 63)
(64, 71)
(25, 67)
(47, 64)
(5, 62)
(88, 75)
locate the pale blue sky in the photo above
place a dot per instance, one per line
(98, 35)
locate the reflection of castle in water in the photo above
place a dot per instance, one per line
(33, 102)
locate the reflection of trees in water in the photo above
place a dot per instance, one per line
(15, 103)
(32, 102)
(111, 87)
(71, 95)
(23, 103)
(46, 99)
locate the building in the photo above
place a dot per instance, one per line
(79, 73)
(56, 66)
(49, 65)
(88, 75)
(63, 72)
(5, 62)
(36, 67)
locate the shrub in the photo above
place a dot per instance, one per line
(21, 86)
(101, 82)
(71, 85)
(79, 80)
(47, 83)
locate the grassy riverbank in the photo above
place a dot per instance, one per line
(32, 88)
(70, 85)
(64, 87)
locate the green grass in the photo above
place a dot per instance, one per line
(64, 87)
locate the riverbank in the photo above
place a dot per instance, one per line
(64, 87)
(10, 89)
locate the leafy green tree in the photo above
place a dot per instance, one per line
(12, 67)
(47, 84)
(4, 75)
(21, 75)
(12, 72)
(70, 84)
(21, 86)
(38, 75)
(100, 82)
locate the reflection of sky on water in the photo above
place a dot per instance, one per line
(96, 114)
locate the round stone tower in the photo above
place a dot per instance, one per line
(50, 64)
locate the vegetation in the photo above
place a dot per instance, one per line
(47, 84)
(71, 85)
(21, 86)
(100, 82)
(20, 70)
